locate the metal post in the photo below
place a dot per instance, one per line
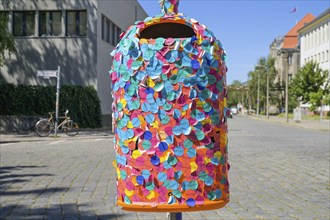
(242, 106)
(321, 111)
(57, 99)
(267, 110)
(287, 89)
(249, 102)
(174, 216)
(258, 95)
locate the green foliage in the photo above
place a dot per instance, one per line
(82, 102)
(264, 66)
(6, 39)
(235, 97)
(311, 85)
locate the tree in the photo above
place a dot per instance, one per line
(234, 96)
(260, 72)
(6, 39)
(311, 85)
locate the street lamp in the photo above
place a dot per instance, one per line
(258, 94)
(267, 98)
(287, 89)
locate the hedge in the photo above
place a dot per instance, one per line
(82, 102)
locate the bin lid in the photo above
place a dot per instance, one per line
(169, 25)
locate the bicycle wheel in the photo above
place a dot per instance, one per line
(71, 128)
(43, 128)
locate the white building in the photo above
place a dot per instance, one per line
(76, 35)
(315, 41)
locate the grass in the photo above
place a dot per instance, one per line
(305, 117)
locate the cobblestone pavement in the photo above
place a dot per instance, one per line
(277, 172)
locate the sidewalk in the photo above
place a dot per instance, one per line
(91, 134)
(32, 136)
(323, 125)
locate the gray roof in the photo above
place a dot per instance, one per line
(324, 13)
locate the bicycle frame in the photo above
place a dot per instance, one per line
(52, 121)
(46, 125)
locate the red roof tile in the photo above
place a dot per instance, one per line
(291, 38)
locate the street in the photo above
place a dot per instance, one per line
(277, 172)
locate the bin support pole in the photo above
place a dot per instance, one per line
(57, 99)
(174, 216)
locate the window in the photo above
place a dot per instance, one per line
(326, 33)
(50, 23)
(113, 34)
(110, 32)
(118, 35)
(308, 40)
(105, 29)
(102, 27)
(23, 23)
(321, 34)
(76, 23)
(107, 39)
(290, 59)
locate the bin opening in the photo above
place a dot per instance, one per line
(167, 30)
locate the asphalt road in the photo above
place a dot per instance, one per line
(277, 172)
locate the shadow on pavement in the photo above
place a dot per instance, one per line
(11, 175)
(70, 211)
(8, 177)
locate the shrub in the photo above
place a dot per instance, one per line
(82, 102)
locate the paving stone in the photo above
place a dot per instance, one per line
(277, 172)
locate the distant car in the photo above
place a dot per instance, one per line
(228, 113)
(234, 110)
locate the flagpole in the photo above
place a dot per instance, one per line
(294, 10)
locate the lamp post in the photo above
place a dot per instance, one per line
(287, 89)
(258, 94)
(267, 98)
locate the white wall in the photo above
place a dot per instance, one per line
(83, 60)
(315, 45)
(75, 55)
(123, 14)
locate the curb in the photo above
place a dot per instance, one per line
(316, 126)
(32, 137)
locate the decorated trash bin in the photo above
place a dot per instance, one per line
(169, 115)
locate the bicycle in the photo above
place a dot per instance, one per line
(45, 126)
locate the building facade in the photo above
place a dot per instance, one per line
(275, 46)
(78, 36)
(315, 41)
(315, 45)
(287, 52)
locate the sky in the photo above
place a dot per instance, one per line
(245, 28)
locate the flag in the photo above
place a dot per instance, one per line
(293, 10)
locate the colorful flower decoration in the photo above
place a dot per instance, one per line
(169, 6)
(169, 115)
